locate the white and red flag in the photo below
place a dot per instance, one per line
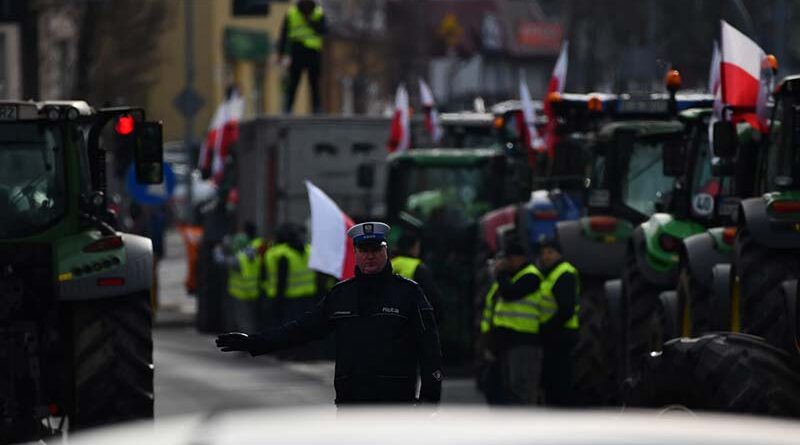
(222, 134)
(526, 126)
(557, 82)
(400, 133)
(432, 124)
(741, 75)
(331, 249)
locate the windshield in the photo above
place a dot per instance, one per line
(32, 189)
(783, 155)
(446, 195)
(644, 183)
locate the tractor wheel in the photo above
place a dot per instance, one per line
(728, 372)
(761, 274)
(697, 300)
(112, 356)
(593, 357)
(666, 320)
(640, 298)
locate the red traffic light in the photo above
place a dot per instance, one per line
(124, 125)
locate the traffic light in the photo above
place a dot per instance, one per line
(124, 143)
(250, 7)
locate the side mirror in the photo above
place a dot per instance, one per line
(724, 139)
(149, 153)
(672, 157)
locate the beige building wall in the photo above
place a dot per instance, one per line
(212, 71)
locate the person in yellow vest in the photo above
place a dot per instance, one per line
(244, 269)
(291, 285)
(511, 322)
(559, 328)
(300, 48)
(407, 263)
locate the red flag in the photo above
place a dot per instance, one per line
(331, 249)
(222, 134)
(432, 124)
(400, 136)
(557, 82)
(526, 121)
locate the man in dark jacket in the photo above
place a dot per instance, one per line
(300, 48)
(559, 332)
(385, 330)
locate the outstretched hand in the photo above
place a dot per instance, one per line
(234, 341)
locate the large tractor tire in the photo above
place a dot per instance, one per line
(594, 356)
(727, 372)
(640, 298)
(112, 360)
(761, 273)
(697, 300)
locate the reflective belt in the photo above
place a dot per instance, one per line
(522, 315)
(300, 281)
(549, 305)
(300, 31)
(405, 266)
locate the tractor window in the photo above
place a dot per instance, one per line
(645, 183)
(32, 186)
(448, 196)
(468, 136)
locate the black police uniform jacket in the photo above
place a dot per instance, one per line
(385, 329)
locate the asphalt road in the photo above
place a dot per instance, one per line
(192, 376)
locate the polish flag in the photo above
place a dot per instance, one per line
(741, 75)
(331, 249)
(400, 135)
(526, 126)
(222, 134)
(432, 123)
(557, 82)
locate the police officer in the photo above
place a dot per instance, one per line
(511, 322)
(386, 333)
(407, 263)
(300, 47)
(559, 329)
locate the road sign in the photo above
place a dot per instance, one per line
(188, 102)
(153, 194)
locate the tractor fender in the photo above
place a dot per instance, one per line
(701, 255)
(671, 310)
(753, 214)
(720, 319)
(590, 257)
(136, 271)
(638, 245)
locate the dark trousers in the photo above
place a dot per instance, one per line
(304, 59)
(557, 373)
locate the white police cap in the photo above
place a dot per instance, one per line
(369, 232)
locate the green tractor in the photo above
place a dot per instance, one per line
(630, 180)
(447, 190)
(74, 294)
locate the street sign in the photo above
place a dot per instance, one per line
(153, 194)
(188, 102)
(246, 44)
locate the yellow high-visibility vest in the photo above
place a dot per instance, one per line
(549, 305)
(523, 315)
(301, 281)
(405, 266)
(300, 31)
(243, 283)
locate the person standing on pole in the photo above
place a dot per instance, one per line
(386, 334)
(559, 329)
(300, 49)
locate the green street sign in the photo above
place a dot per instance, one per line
(246, 44)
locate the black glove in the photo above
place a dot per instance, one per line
(234, 341)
